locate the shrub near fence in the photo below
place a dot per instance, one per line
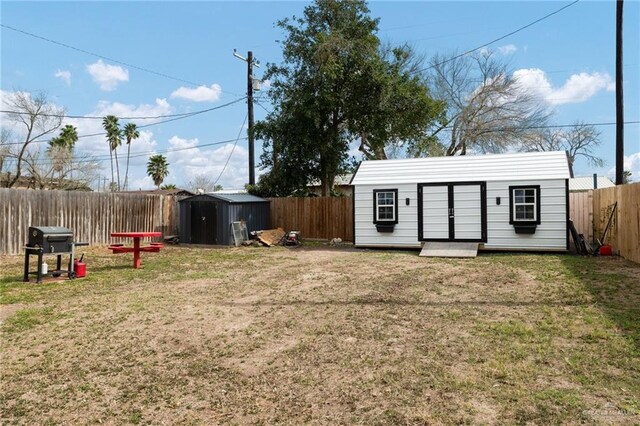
(314, 217)
(92, 216)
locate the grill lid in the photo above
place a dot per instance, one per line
(49, 230)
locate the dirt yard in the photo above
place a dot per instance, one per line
(323, 336)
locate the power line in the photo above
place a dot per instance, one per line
(105, 157)
(232, 150)
(97, 55)
(501, 37)
(95, 117)
(179, 117)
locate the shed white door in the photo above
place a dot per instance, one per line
(452, 212)
(435, 212)
(467, 212)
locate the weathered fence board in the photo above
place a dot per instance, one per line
(314, 217)
(92, 216)
(581, 212)
(624, 234)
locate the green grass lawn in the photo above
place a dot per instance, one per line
(323, 336)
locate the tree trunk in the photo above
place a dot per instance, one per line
(115, 154)
(111, 159)
(126, 173)
(19, 163)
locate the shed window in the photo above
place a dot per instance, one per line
(524, 208)
(385, 206)
(524, 204)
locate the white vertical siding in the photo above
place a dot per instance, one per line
(550, 234)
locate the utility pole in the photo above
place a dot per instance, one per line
(250, 64)
(619, 98)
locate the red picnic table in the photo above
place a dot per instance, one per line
(136, 249)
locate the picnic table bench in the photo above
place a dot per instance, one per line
(136, 249)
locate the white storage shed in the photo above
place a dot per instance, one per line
(514, 201)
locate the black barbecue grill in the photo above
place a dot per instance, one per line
(47, 240)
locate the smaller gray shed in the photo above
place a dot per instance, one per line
(207, 218)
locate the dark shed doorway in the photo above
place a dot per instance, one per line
(203, 222)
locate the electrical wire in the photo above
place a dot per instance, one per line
(97, 55)
(232, 150)
(105, 157)
(499, 38)
(179, 117)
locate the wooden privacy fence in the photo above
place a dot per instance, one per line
(92, 216)
(581, 212)
(315, 217)
(624, 234)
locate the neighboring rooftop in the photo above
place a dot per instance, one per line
(234, 198)
(491, 167)
(176, 191)
(585, 183)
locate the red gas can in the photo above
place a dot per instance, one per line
(605, 250)
(80, 268)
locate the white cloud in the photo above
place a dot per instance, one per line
(199, 94)
(631, 163)
(209, 161)
(107, 76)
(64, 76)
(507, 49)
(577, 88)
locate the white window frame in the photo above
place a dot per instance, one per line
(534, 204)
(392, 205)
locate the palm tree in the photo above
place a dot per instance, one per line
(114, 138)
(67, 138)
(61, 147)
(130, 133)
(157, 168)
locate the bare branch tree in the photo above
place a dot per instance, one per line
(203, 183)
(36, 116)
(5, 149)
(54, 168)
(580, 140)
(487, 110)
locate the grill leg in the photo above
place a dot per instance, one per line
(59, 263)
(26, 266)
(39, 279)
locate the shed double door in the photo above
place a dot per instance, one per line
(203, 222)
(452, 212)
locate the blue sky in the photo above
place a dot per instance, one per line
(569, 59)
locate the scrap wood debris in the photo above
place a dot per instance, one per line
(270, 237)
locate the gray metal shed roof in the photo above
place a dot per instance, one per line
(238, 198)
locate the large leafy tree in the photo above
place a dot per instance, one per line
(335, 86)
(157, 168)
(130, 133)
(114, 139)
